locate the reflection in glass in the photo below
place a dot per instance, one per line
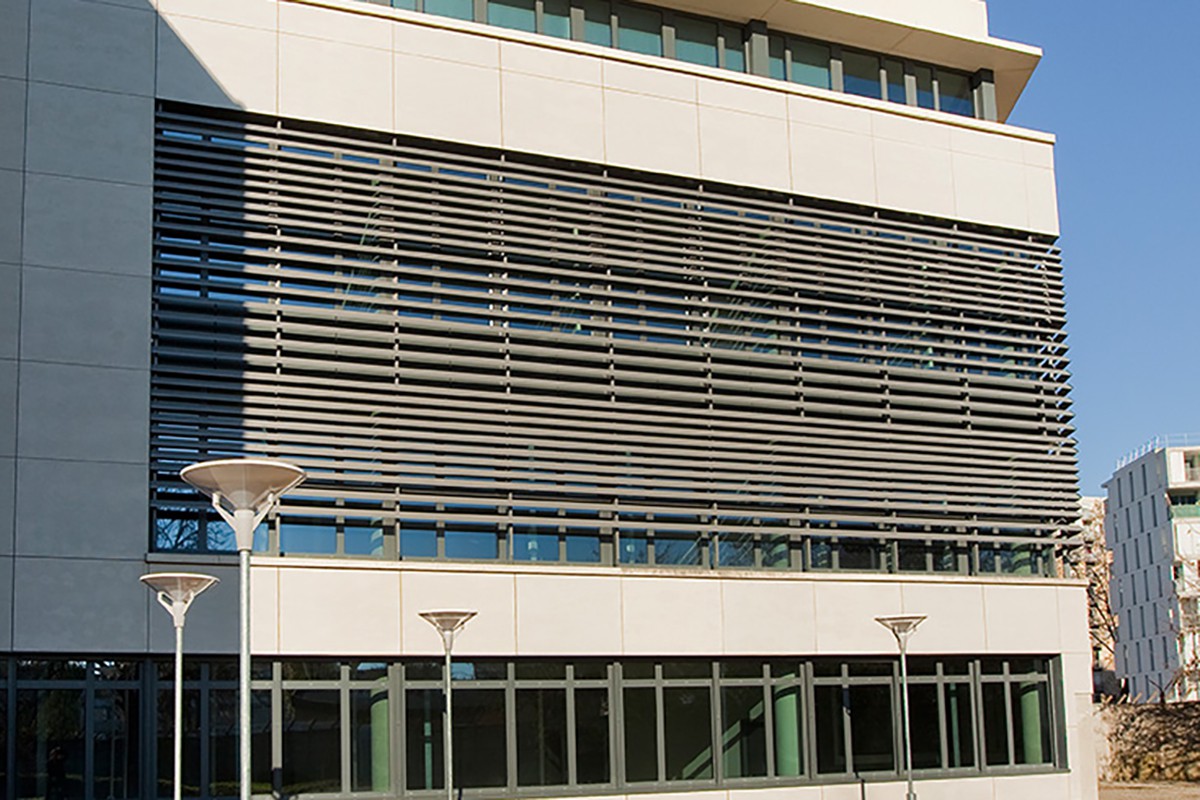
(677, 548)
(541, 737)
(307, 538)
(633, 546)
(423, 738)
(735, 48)
(688, 732)
(995, 726)
(831, 742)
(640, 30)
(223, 742)
(789, 730)
(591, 736)
(50, 743)
(871, 728)
(735, 549)
(471, 542)
(456, 9)
(925, 96)
(896, 92)
(960, 726)
(312, 744)
(370, 743)
(479, 738)
(165, 733)
(776, 57)
(954, 93)
(860, 74)
(641, 735)
(810, 64)
(597, 22)
(582, 548)
(516, 14)
(1031, 723)
(744, 738)
(115, 737)
(926, 731)
(556, 18)
(363, 540)
(535, 543)
(696, 41)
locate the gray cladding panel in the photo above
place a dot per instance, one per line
(85, 318)
(93, 45)
(8, 471)
(83, 413)
(8, 407)
(14, 38)
(10, 309)
(89, 134)
(12, 123)
(81, 509)
(87, 225)
(79, 606)
(11, 191)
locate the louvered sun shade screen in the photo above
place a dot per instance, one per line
(511, 347)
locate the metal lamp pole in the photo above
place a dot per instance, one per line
(448, 624)
(175, 592)
(243, 492)
(902, 627)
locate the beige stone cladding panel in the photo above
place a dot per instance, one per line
(363, 620)
(445, 99)
(955, 621)
(216, 63)
(788, 793)
(845, 616)
(264, 610)
(765, 617)
(493, 595)
(1021, 618)
(913, 165)
(347, 81)
(568, 615)
(958, 789)
(678, 616)
(1042, 787)
(553, 116)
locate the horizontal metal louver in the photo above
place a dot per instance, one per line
(445, 335)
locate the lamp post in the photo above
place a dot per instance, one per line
(243, 492)
(448, 624)
(902, 627)
(175, 592)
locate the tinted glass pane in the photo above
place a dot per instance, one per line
(115, 761)
(954, 94)
(871, 728)
(515, 14)
(363, 541)
(458, 9)
(687, 669)
(641, 736)
(370, 742)
(860, 74)
(831, 744)
(787, 711)
(734, 40)
(479, 738)
(1031, 723)
(895, 81)
(530, 545)
(410, 5)
(597, 22)
(220, 537)
(820, 554)
(165, 732)
(50, 743)
(913, 557)
(859, 556)
(734, 549)
(776, 57)
(423, 734)
(677, 549)
(582, 548)
(639, 30)
(696, 41)
(810, 64)
(297, 537)
(591, 736)
(926, 732)
(556, 18)
(924, 76)
(995, 724)
(541, 737)
(634, 548)
(776, 551)
(687, 718)
(960, 726)
(312, 743)
(471, 543)
(176, 531)
(540, 670)
(223, 742)
(744, 737)
(418, 542)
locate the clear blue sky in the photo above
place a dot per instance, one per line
(1116, 85)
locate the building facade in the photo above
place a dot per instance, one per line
(1153, 529)
(679, 340)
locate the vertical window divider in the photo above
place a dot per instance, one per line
(660, 723)
(668, 35)
(572, 745)
(943, 735)
(717, 722)
(510, 725)
(768, 694)
(202, 730)
(910, 83)
(344, 722)
(616, 725)
(397, 729)
(276, 725)
(89, 730)
(837, 80)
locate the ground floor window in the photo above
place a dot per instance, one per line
(92, 730)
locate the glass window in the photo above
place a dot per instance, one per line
(926, 730)
(674, 548)
(363, 540)
(50, 743)
(556, 18)
(733, 41)
(634, 548)
(165, 732)
(776, 551)
(457, 9)
(423, 732)
(312, 742)
(810, 64)
(831, 741)
(871, 728)
(479, 738)
(410, 5)
(776, 57)
(591, 735)
(370, 742)
(535, 543)
(734, 549)
(541, 737)
(787, 711)
(687, 728)
(583, 548)
(641, 735)
(178, 531)
(896, 91)
(1031, 723)
(960, 726)
(515, 14)
(115, 737)
(418, 539)
(308, 538)
(639, 30)
(744, 737)
(860, 74)
(597, 22)
(696, 41)
(223, 742)
(955, 95)
(466, 541)
(995, 725)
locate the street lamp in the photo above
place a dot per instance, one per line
(175, 592)
(902, 627)
(448, 624)
(243, 491)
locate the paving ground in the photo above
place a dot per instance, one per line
(1149, 791)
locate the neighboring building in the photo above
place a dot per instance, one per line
(680, 341)
(1153, 530)
(1092, 561)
